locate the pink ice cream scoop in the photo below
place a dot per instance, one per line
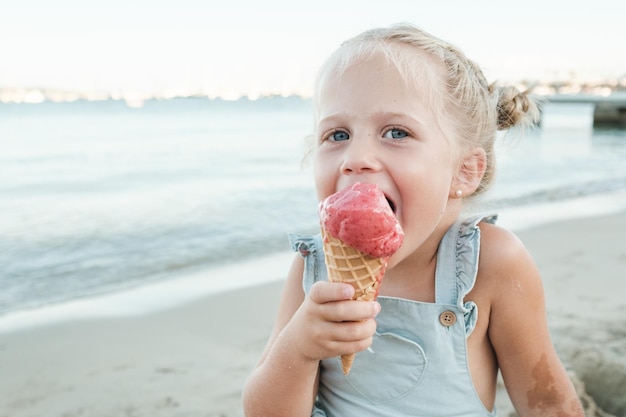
(361, 217)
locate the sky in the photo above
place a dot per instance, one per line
(251, 47)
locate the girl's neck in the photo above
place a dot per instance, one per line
(414, 277)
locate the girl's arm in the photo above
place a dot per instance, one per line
(325, 324)
(533, 374)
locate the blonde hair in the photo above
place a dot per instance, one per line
(478, 108)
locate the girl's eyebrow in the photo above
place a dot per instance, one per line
(395, 115)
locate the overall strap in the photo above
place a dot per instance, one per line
(320, 270)
(457, 260)
(311, 248)
(445, 272)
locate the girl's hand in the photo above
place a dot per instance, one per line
(329, 323)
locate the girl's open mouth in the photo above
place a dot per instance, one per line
(391, 204)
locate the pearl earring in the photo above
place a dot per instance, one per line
(458, 193)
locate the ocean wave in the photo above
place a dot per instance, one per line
(559, 193)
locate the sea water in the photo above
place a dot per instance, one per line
(100, 199)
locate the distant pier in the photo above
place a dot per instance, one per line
(609, 111)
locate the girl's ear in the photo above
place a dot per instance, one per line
(471, 171)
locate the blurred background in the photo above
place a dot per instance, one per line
(144, 141)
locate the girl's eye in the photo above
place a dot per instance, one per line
(339, 136)
(396, 134)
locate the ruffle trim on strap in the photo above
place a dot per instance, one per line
(307, 247)
(467, 253)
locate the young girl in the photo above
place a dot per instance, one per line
(461, 298)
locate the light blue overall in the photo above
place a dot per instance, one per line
(418, 365)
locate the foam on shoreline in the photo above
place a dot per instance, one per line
(156, 296)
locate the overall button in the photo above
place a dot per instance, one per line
(447, 318)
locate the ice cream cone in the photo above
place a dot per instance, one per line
(349, 265)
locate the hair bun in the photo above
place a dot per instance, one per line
(515, 108)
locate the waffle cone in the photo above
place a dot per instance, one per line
(349, 265)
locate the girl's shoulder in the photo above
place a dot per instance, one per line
(504, 261)
(499, 246)
(499, 241)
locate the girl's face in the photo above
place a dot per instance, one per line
(375, 128)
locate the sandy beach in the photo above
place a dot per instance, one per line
(192, 359)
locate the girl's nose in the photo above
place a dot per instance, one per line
(360, 157)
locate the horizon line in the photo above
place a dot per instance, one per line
(134, 98)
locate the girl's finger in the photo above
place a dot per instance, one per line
(349, 310)
(324, 292)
